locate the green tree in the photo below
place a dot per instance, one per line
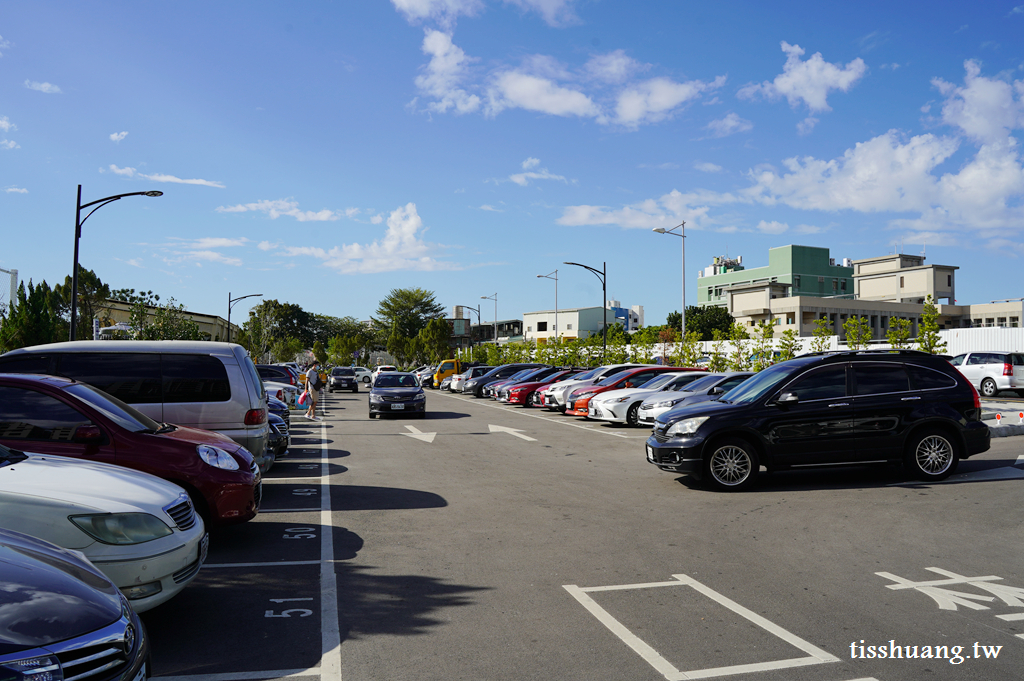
(408, 310)
(719, 360)
(666, 336)
(822, 335)
(495, 354)
(764, 346)
(790, 345)
(928, 338)
(690, 351)
(286, 349)
(674, 319)
(739, 358)
(396, 346)
(166, 322)
(35, 319)
(128, 295)
(898, 334)
(643, 346)
(858, 332)
(340, 349)
(93, 295)
(704, 320)
(436, 337)
(319, 352)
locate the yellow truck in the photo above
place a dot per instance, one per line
(446, 368)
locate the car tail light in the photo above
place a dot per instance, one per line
(1007, 369)
(255, 417)
(977, 397)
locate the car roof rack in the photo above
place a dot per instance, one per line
(878, 351)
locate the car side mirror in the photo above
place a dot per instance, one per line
(787, 398)
(88, 435)
(717, 391)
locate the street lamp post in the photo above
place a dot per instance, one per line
(231, 302)
(478, 321)
(601, 274)
(79, 221)
(495, 299)
(555, 277)
(682, 235)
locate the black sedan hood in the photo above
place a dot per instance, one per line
(403, 391)
(706, 408)
(47, 595)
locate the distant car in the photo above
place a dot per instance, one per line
(827, 409)
(276, 406)
(50, 415)
(279, 438)
(477, 385)
(623, 405)
(527, 392)
(278, 374)
(459, 380)
(706, 387)
(556, 394)
(62, 618)
(363, 374)
(992, 372)
(141, 531)
(446, 383)
(342, 378)
(578, 401)
(500, 390)
(395, 392)
(378, 370)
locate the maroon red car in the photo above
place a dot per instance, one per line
(527, 394)
(578, 401)
(63, 417)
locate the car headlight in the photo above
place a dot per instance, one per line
(217, 457)
(669, 403)
(121, 528)
(375, 398)
(686, 426)
(620, 399)
(43, 668)
(419, 396)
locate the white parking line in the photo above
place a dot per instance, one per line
(290, 510)
(245, 676)
(208, 566)
(330, 631)
(651, 656)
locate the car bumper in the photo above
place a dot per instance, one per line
(977, 438)
(350, 384)
(609, 412)
(173, 569)
(647, 417)
(235, 503)
(398, 407)
(676, 456)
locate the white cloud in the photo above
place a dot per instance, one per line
(9, 144)
(16, 190)
(656, 99)
(377, 219)
(160, 177)
(491, 208)
(6, 125)
(4, 45)
(523, 179)
(277, 208)
(1019, 9)
(48, 88)
(772, 227)
(707, 167)
(267, 246)
(666, 211)
(134, 262)
(807, 81)
(660, 166)
(805, 126)
(986, 109)
(401, 249)
(613, 67)
(217, 242)
(730, 125)
(515, 89)
(118, 136)
(443, 75)
(351, 212)
(445, 12)
(212, 256)
(554, 12)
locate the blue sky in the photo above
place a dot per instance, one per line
(323, 153)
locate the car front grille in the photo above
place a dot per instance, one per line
(187, 573)
(257, 492)
(183, 514)
(394, 398)
(100, 654)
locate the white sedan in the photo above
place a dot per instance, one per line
(140, 531)
(623, 405)
(363, 374)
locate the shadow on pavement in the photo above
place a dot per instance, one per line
(360, 498)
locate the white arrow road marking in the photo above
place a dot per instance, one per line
(425, 437)
(511, 431)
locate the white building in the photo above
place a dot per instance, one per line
(579, 322)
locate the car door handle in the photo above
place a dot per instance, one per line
(839, 404)
(907, 399)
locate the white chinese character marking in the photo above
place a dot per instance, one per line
(949, 599)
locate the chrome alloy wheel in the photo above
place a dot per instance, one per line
(934, 455)
(730, 465)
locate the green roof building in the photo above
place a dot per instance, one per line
(799, 271)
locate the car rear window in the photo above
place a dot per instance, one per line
(194, 378)
(929, 379)
(343, 372)
(25, 364)
(877, 379)
(1018, 360)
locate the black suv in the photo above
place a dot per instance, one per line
(827, 409)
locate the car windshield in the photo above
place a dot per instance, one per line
(701, 384)
(394, 380)
(613, 379)
(758, 385)
(343, 372)
(531, 374)
(125, 416)
(659, 382)
(585, 376)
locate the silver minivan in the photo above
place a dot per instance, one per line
(991, 372)
(199, 384)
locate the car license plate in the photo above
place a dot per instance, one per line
(650, 453)
(141, 676)
(397, 407)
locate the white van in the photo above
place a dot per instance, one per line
(199, 384)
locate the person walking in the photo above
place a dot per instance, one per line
(313, 386)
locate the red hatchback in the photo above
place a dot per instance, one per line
(527, 394)
(62, 417)
(578, 401)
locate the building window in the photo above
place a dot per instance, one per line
(835, 284)
(901, 282)
(791, 318)
(796, 281)
(842, 285)
(529, 329)
(542, 326)
(778, 321)
(1014, 322)
(1001, 321)
(568, 327)
(949, 280)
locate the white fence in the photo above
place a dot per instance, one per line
(8, 298)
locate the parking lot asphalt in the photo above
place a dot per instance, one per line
(493, 542)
